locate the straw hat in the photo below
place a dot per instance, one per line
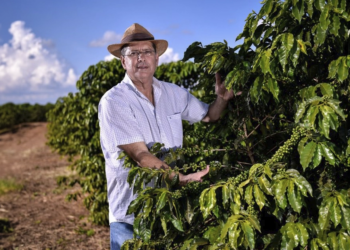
(134, 34)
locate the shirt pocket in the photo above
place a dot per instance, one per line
(175, 123)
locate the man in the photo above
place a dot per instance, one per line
(139, 112)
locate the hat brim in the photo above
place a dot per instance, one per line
(161, 46)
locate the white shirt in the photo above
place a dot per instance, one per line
(127, 116)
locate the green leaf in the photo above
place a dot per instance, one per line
(265, 62)
(287, 41)
(185, 245)
(268, 172)
(343, 70)
(264, 184)
(319, 4)
(333, 121)
(294, 199)
(332, 240)
(317, 156)
(294, 55)
(164, 224)
(254, 168)
(282, 56)
(189, 213)
(335, 213)
(177, 224)
(343, 242)
(345, 221)
(300, 112)
(259, 197)
(148, 207)
(249, 194)
(335, 106)
(203, 200)
(213, 233)
(303, 234)
(301, 144)
(326, 119)
(307, 154)
(326, 89)
(267, 8)
(298, 10)
(131, 176)
(280, 189)
(302, 46)
(233, 236)
(311, 115)
(287, 243)
(225, 194)
(273, 88)
(249, 233)
(334, 30)
(310, 7)
(162, 199)
(211, 202)
(324, 213)
(293, 233)
(254, 222)
(303, 184)
(324, 21)
(333, 69)
(326, 152)
(229, 224)
(255, 90)
(320, 35)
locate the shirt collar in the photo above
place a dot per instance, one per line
(156, 85)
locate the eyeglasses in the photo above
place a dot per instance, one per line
(136, 53)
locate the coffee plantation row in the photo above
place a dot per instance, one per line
(12, 114)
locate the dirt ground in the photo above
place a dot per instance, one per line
(39, 215)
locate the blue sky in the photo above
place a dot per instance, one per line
(46, 45)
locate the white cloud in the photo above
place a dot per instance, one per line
(109, 57)
(109, 37)
(169, 56)
(29, 69)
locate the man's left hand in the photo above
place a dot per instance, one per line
(221, 91)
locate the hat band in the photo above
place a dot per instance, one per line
(136, 37)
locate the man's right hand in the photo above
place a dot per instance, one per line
(184, 179)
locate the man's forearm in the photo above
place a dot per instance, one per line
(215, 110)
(139, 153)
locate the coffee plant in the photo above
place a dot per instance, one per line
(279, 156)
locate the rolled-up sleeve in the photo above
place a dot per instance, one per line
(118, 125)
(195, 110)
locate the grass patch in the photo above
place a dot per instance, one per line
(9, 185)
(88, 232)
(5, 226)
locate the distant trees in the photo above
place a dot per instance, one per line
(13, 114)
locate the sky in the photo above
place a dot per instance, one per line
(45, 46)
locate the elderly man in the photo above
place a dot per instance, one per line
(139, 112)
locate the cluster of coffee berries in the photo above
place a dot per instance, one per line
(193, 188)
(239, 178)
(251, 210)
(288, 145)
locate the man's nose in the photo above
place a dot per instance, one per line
(140, 56)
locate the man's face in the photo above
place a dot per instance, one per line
(141, 66)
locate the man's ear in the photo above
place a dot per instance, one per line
(157, 59)
(122, 60)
